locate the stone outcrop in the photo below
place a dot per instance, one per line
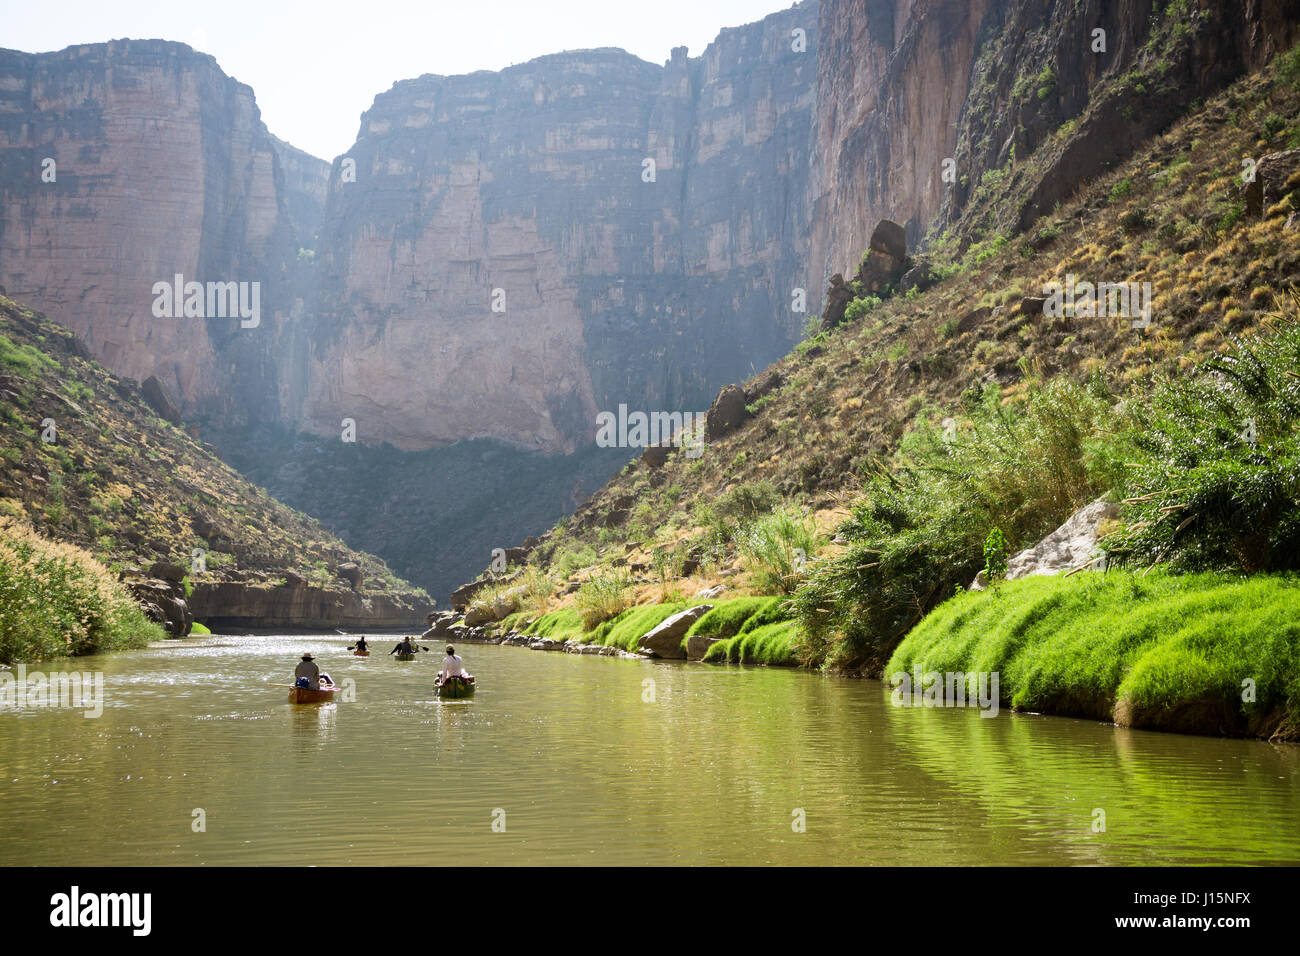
(727, 412)
(1071, 547)
(160, 400)
(1272, 174)
(162, 596)
(885, 259)
(665, 640)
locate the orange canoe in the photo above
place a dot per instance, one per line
(302, 695)
(360, 653)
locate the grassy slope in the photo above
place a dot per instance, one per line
(1164, 651)
(131, 487)
(848, 398)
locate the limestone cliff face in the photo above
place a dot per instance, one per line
(905, 84)
(527, 190)
(123, 164)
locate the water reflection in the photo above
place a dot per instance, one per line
(715, 769)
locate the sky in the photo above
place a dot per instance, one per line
(315, 67)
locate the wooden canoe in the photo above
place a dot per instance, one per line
(360, 653)
(304, 695)
(455, 688)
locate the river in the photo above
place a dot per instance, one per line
(562, 759)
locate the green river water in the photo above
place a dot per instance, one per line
(574, 765)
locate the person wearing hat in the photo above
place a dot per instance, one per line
(307, 671)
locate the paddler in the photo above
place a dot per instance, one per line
(361, 643)
(307, 673)
(452, 666)
(403, 647)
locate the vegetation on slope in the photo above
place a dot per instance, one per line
(930, 420)
(56, 600)
(132, 488)
(1210, 653)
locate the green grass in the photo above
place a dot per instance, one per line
(729, 617)
(773, 643)
(24, 359)
(1165, 651)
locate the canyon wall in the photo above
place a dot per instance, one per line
(905, 84)
(531, 190)
(121, 165)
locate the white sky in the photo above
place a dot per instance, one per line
(316, 66)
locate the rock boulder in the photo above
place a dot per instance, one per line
(665, 640)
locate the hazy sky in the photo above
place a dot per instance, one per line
(315, 67)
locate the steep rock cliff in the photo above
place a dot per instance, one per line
(904, 85)
(123, 164)
(533, 182)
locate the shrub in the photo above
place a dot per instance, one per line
(602, 597)
(777, 548)
(922, 525)
(858, 308)
(1213, 478)
(57, 600)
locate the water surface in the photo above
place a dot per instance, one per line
(579, 765)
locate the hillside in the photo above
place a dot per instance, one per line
(88, 461)
(841, 410)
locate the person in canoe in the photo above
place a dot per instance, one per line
(404, 647)
(452, 665)
(307, 673)
(361, 644)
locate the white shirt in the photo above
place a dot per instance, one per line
(451, 666)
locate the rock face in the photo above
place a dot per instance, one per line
(125, 164)
(726, 413)
(225, 604)
(665, 640)
(903, 86)
(510, 250)
(1071, 546)
(602, 205)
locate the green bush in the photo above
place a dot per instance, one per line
(921, 527)
(1213, 461)
(778, 548)
(56, 600)
(601, 597)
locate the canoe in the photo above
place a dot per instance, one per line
(455, 688)
(303, 695)
(360, 653)
(406, 657)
